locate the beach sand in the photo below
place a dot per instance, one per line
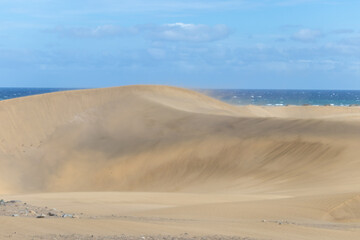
(157, 162)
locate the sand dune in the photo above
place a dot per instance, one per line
(333, 113)
(195, 157)
(160, 139)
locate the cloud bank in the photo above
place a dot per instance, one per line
(307, 35)
(188, 32)
(181, 32)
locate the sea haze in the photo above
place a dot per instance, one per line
(239, 96)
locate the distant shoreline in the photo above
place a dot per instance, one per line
(239, 97)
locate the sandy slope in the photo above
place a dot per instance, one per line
(175, 161)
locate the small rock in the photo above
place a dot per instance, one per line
(15, 215)
(51, 214)
(31, 212)
(67, 216)
(2, 202)
(41, 216)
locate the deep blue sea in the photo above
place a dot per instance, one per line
(8, 93)
(287, 97)
(241, 96)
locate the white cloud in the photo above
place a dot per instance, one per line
(188, 32)
(306, 35)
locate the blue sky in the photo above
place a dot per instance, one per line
(273, 44)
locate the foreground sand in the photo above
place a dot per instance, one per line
(151, 160)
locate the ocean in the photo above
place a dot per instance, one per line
(9, 93)
(240, 96)
(286, 97)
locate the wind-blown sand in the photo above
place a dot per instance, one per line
(150, 160)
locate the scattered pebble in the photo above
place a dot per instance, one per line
(142, 237)
(16, 208)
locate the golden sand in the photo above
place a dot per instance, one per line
(157, 159)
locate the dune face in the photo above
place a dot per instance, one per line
(155, 138)
(51, 140)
